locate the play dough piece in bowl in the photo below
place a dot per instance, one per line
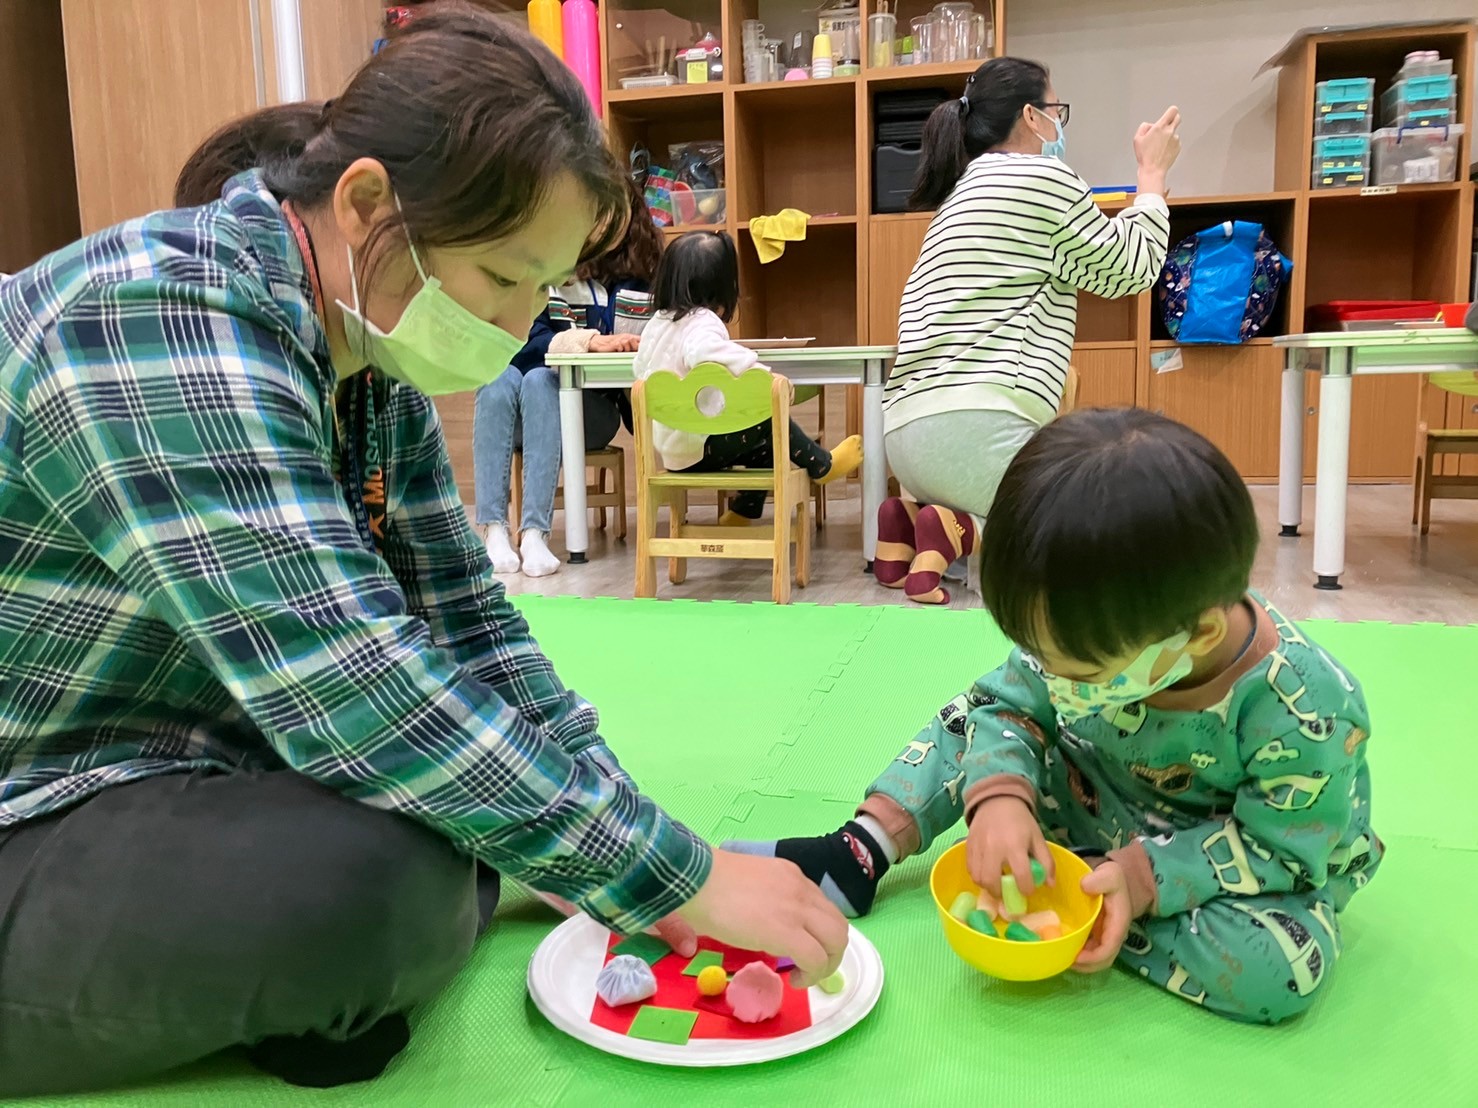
(756, 993)
(625, 979)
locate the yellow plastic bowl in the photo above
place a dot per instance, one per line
(1005, 958)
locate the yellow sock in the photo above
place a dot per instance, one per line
(732, 518)
(846, 456)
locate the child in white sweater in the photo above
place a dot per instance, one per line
(696, 294)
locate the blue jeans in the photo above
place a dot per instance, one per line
(521, 412)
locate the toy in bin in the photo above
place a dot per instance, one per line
(1344, 107)
(1341, 161)
(1002, 941)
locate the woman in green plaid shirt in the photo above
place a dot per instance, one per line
(269, 730)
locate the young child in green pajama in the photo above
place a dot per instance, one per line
(1175, 730)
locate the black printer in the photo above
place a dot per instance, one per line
(898, 132)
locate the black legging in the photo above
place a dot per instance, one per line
(752, 448)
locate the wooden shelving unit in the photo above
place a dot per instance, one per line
(808, 145)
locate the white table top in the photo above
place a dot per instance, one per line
(1438, 350)
(807, 365)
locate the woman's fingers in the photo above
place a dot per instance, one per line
(678, 934)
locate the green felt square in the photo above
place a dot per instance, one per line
(663, 1025)
(648, 948)
(704, 959)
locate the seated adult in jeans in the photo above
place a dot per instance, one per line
(603, 311)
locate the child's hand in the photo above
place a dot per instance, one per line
(1004, 835)
(614, 344)
(1112, 925)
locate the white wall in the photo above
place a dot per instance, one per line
(1122, 61)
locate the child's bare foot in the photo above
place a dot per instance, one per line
(847, 864)
(846, 456)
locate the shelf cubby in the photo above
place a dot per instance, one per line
(810, 290)
(638, 30)
(799, 149)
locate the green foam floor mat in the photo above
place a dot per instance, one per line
(753, 721)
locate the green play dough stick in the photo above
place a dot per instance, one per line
(1039, 873)
(962, 906)
(979, 921)
(1020, 933)
(833, 984)
(1011, 899)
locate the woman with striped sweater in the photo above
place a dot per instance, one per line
(988, 315)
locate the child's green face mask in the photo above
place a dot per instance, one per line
(1075, 700)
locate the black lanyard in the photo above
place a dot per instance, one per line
(365, 475)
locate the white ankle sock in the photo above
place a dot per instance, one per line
(500, 549)
(538, 559)
(881, 837)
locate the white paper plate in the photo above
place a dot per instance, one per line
(776, 344)
(562, 983)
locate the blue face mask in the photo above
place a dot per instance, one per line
(1057, 148)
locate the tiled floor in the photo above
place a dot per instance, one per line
(1393, 574)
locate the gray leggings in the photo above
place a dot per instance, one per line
(957, 459)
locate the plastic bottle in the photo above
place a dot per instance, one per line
(582, 46)
(547, 24)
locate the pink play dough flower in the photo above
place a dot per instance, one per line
(756, 993)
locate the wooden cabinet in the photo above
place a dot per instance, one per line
(38, 196)
(142, 84)
(149, 80)
(1232, 396)
(1106, 376)
(894, 247)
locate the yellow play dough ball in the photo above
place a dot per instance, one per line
(712, 980)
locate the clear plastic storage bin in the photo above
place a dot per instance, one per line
(1341, 161)
(700, 207)
(1420, 102)
(1353, 122)
(1345, 95)
(1425, 67)
(1416, 156)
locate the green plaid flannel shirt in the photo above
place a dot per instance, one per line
(183, 585)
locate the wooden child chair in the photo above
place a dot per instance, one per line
(800, 395)
(599, 498)
(754, 397)
(1432, 446)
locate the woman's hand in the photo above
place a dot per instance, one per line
(1156, 146)
(1004, 835)
(614, 344)
(1112, 925)
(768, 904)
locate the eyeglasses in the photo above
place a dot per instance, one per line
(1063, 111)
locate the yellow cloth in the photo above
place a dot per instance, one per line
(772, 232)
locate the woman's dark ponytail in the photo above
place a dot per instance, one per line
(958, 131)
(263, 138)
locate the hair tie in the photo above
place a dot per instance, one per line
(964, 105)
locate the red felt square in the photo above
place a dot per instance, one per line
(674, 990)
